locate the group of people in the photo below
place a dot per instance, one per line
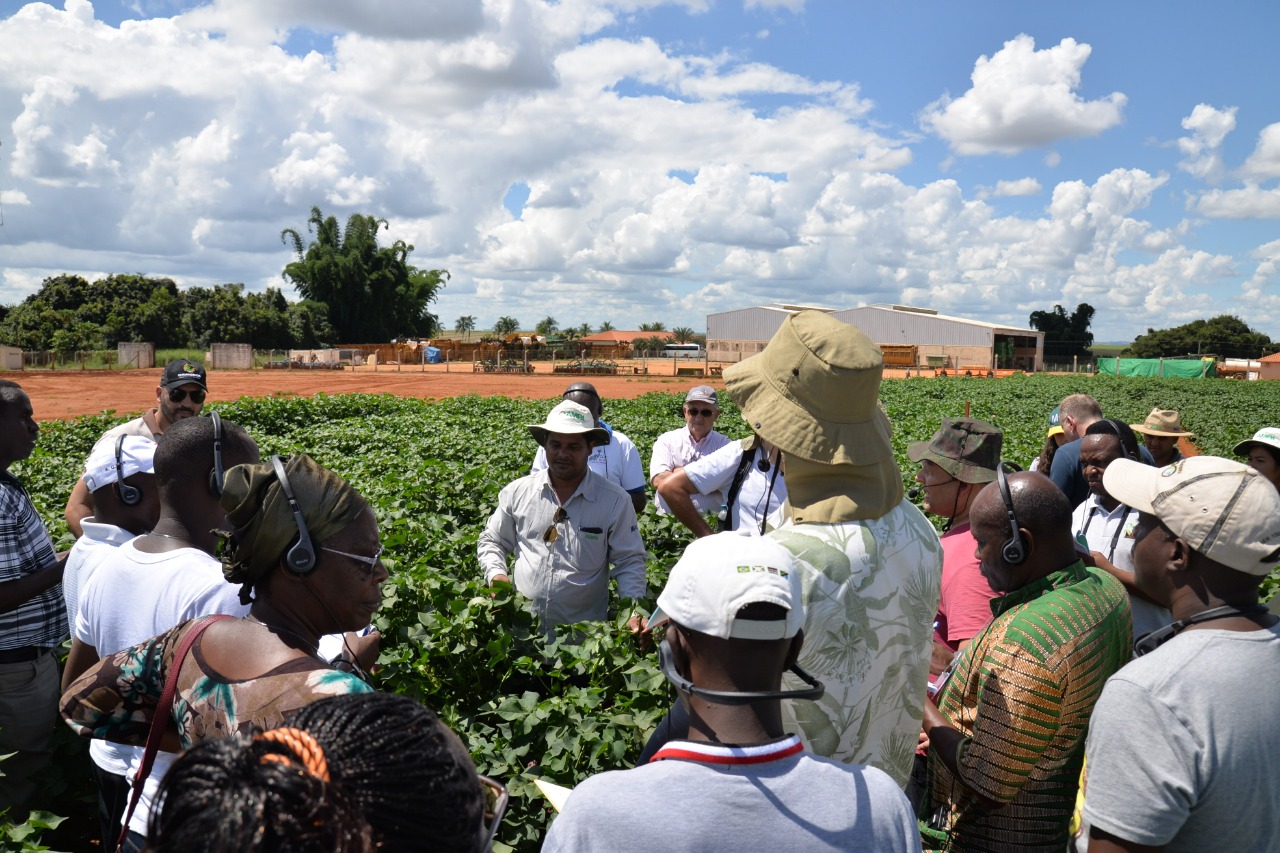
(848, 679)
(219, 607)
(1079, 659)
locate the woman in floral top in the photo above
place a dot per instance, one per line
(307, 556)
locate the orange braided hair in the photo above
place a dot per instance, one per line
(304, 747)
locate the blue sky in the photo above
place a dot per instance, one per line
(645, 160)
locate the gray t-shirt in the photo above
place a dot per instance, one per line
(1183, 745)
(795, 803)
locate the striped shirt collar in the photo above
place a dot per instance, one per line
(716, 753)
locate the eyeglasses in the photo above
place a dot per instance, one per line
(551, 534)
(177, 395)
(706, 413)
(371, 562)
(495, 806)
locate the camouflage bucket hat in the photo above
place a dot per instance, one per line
(966, 449)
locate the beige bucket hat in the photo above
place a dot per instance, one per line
(1161, 422)
(814, 392)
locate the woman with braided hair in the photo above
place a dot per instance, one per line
(351, 773)
(305, 551)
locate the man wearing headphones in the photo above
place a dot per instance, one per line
(121, 477)
(156, 581)
(617, 459)
(1104, 526)
(180, 394)
(1183, 742)
(731, 617)
(1007, 735)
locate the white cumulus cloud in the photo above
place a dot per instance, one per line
(1023, 98)
(1202, 150)
(1264, 162)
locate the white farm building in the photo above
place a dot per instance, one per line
(910, 337)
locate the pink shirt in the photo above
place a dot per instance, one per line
(965, 606)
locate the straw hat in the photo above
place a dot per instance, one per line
(1161, 422)
(814, 392)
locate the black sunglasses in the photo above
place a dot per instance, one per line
(706, 413)
(177, 395)
(551, 534)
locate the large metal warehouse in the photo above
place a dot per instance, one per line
(918, 337)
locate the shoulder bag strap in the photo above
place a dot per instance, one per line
(160, 721)
(735, 486)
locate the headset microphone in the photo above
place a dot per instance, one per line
(914, 492)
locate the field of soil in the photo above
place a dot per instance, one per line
(56, 395)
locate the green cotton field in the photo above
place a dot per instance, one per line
(432, 471)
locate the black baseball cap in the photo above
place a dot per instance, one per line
(182, 372)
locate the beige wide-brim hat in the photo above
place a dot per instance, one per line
(1162, 422)
(814, 392)
(569, 418)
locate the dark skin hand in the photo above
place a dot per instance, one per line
(944, 742)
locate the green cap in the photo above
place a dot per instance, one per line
(966, 449)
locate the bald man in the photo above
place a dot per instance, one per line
(1007, 735)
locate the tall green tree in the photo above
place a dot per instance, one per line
(606, 326)
(1223, 335)
(1065, 335)
(547, 326)
(372, 292)
(505, 326)
(465, 324)
(653, 327)
(683, 334)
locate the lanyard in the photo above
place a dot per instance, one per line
(1115, 539)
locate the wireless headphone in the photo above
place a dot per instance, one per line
(129, 495)
(301, 556)
(217, 474)
(1114, 426)
(1013, 551)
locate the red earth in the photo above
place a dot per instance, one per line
(60, 394)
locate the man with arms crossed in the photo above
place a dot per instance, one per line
(179, 395)
(1183, 743)
(694, 440)
(732, 616)
(566, 525)
(749, 475)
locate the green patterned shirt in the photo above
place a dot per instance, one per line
(870, 594)
(1021, 694)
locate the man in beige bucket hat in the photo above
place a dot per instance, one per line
(870, 561)
(1160, 433)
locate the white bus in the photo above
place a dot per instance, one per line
(674, 350)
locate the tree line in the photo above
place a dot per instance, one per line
(1067, 335)
(353, 291)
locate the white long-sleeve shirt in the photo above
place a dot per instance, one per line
(566, 580)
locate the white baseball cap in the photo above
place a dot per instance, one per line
(1223, 508)
(719, 575)
(136, 457)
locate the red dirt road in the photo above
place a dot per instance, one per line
(57, 395)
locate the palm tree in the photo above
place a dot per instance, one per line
(584, 330)
(547, 326)
(653, 327)
(683, 334)
(505, 326)
(606, 326)
(465, 324)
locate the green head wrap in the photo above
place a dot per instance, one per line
(262, 523)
